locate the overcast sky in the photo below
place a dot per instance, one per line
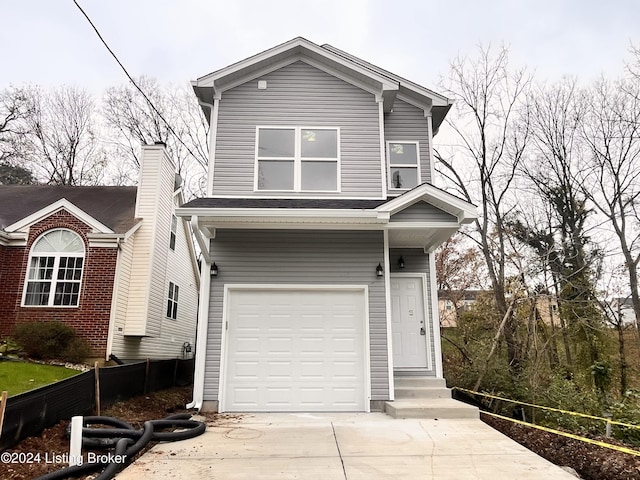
(48, 42)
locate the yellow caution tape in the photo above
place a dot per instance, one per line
(570, 435)
(577, 414)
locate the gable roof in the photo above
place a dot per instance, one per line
(111, 206)
(378, 81)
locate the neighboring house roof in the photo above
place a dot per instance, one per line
(111, 206)
(378, 81)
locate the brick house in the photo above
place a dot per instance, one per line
(114, 263)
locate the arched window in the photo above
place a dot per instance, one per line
(55, 270)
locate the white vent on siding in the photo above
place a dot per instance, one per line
(262, 84)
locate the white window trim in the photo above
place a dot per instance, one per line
(56, 266)
(416, 166)
(297, 159)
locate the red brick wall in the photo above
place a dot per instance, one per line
(91, 317)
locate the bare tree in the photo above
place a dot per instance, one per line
(14, 108)
(180, 125)
(490, 126)
(559, 236)
(611, 130)
(59, 141)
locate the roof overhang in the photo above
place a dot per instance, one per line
(210, 219)
(427, 234)
(464, 211)
(13, 239)
(384, 85)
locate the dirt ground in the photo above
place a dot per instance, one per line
(590, 461)
(53, 440)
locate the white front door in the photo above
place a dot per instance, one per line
(295, 349)
(410, 331)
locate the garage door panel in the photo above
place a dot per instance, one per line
(312, 345)
(246, 397)
(278, 345)
(345, 396)
(247, 345)
(346, 371)
(311, 370)
(344, 345)
(278, 396)
(248, 370)
(279, 370)
(293, 350)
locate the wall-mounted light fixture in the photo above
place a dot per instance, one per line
(379, 270)
(401, 262)
(214, 270)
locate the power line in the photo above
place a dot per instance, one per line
(135, 84)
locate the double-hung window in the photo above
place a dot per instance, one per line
(404, 164)
(172, 301)
(298, 159)
(55, 269)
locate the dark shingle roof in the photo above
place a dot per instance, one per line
(112, 206)
(282, 203)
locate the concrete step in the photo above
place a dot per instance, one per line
(437, 408)
(428, 382)
(422, 392)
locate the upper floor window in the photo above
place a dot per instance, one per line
(174, 228)
(172, 301)
(404, 162)
(55, 268)
(298, 159)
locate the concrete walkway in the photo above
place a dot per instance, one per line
(367, 446)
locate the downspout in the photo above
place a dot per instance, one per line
(202, 325)
(213, 131)
(114, 302)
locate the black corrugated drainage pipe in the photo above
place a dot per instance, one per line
(128, 442)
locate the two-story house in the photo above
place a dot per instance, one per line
(115, 263)
(317, 233)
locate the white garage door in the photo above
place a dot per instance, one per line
(295, 350)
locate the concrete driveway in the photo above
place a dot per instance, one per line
(367, 446)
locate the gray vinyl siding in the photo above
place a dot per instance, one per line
(298, 95)
(423, 212)
(416, 261)
(407, 122)
(299, 257)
